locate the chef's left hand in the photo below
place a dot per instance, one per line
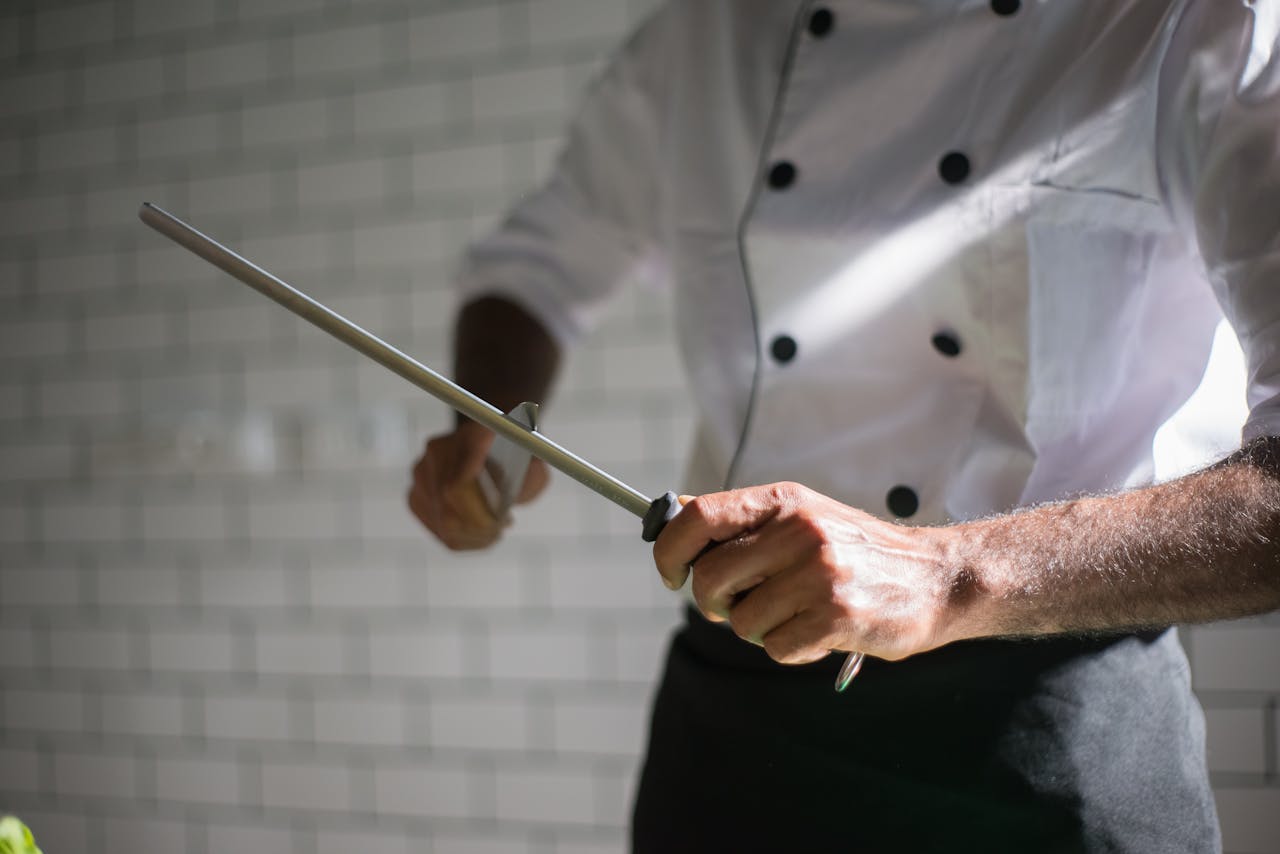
(802, 574)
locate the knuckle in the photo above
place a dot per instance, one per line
(697, 508)
(779, 647)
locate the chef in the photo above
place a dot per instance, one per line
(956, 283)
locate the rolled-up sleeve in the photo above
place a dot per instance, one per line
(566, 248)
(1219, 139)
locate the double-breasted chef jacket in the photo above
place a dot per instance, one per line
(934, 258)
(939, 259)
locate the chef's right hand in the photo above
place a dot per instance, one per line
(446, 497)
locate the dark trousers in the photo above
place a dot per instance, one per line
(976, 747)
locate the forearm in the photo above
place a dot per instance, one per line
(503, 354)
(1203, 547)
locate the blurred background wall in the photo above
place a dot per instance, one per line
(219, 628)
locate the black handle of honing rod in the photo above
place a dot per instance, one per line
(663, 509)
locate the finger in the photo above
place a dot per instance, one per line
(468, 451)
(714, 518)
(447, 527)
(466, 502)
(727, 571)
(803, 639)
(772, 603)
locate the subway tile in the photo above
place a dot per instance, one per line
(402, 108)
(191, 650)
(470, 581)
(461, 170)
(307, 517)
(158, 586)
(614, 578)
(558, 22)
(545, 795)
(263, 584)
(82, 397)
(478, 841)
(1235, 740)
(367, 841)
(423, 791)
(35, 337)
(520, 93)
(15, 523)
(249, 11)
(248, 718)
(539, 652)
(362, 722)
(198, 780)
(640, 650)
(59, 831)
(42, 461)
(480, 723)
(416, 652)
(386, 518)
(21, 769)
(259, 840)
(1250, 819)
(43, 710)
(308, 786)
(151, 17)
(124, 80)
(605, 726)
(279, 388)
(134, 331)
(76, 273)
(17, 647)
(231, 326)
(241, 63)
(236, 193)
(356, 587)
(408, 244)
(301, 650)
(186, 516)
(84, 519)
(178, 137)
(39, 586)
(1235, 657)
(134, 834)
(341, 50)
(346, 182)
(458, 33)
(97, 775)
(33, 92)
(142, 714)
(78, 148)
(286, 123)
(46, 213)
(77, 25)
(90, 649)
(610, 845)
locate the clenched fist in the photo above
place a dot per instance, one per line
(446, 496)
(802, 574)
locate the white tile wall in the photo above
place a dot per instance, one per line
(221, 629)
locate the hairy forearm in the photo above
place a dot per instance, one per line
(1203, 547)
(502, 354)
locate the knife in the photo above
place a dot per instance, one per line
(654, 513)
(504, 470)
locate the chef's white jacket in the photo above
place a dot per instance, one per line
(934, 258)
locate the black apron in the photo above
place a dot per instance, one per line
(1058, 745)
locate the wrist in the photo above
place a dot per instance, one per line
(970, 584)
